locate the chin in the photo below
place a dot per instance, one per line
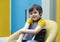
(34, 19)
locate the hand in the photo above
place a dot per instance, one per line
(22, 30)
(19, 40)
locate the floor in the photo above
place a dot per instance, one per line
(3, 39)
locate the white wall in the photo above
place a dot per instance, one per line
(46, 9)
(49, 9)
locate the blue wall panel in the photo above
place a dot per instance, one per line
(18, 8)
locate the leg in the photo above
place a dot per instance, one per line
(32, 41)
(24, 40)
(14, 41)
(41, 35)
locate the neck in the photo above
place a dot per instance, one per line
(37, 20)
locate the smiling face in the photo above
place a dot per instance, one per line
(35, 15)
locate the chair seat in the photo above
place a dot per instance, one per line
(51, 27)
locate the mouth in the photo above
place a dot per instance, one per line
(34, 16)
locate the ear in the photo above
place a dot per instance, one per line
(40, 14)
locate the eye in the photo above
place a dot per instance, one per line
(30, 13)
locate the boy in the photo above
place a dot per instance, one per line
(27, 33)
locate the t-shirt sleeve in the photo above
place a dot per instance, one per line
(29, 20)
(42, 23)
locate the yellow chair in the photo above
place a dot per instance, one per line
(51, 27)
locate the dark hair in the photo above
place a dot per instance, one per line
(37, 7)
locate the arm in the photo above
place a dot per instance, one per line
(35, 31)
(22, 34)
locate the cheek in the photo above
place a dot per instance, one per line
(30, 15)
(38, 15)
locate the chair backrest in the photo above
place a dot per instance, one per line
(51, 27)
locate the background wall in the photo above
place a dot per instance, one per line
(4, 18)
(58, 20)
(46, 9)
(53, 9)
(49, 9)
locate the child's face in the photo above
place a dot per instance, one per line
(34, 15)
